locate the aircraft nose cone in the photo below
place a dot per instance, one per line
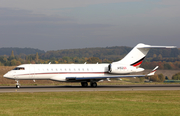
(7, 75)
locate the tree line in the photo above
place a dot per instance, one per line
(148, 63)
(19, 51)
(111, 53)
(164, 58)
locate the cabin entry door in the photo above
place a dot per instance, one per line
(31, 71)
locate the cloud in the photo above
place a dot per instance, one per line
(166, 9)
(11, 16)
(20, 28)
(51, 6)
(126, 23)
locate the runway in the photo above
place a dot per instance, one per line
(6, 89)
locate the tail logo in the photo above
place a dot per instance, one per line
(138, 63)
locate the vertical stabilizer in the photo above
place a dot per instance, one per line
(136, 56)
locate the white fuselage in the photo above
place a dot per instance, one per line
(59, 72)
(85, 72)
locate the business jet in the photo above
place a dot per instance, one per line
(85, 73)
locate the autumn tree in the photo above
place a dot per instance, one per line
(161, 77)
(37, 57)
(154, 78)
(14, 62)
(12, 53)
(141, 79)
(159, 56)
(94, 60)
(176, 76)
(157, 78)
(154, 56)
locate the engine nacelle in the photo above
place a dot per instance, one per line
(116, 68)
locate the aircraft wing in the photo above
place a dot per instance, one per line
(102, 77)
(109, 76)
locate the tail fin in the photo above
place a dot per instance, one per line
(136, 56)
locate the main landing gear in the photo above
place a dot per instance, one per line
(85, 84)
(17, 84)
(93, 84)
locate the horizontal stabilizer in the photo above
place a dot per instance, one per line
(149, 46)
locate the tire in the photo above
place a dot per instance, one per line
(17, 86)
(93, 84)
(84, 84)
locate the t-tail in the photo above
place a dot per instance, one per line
(136, 56)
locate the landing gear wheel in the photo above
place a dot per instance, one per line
(84, 84)
(93, 84)
(18, 86)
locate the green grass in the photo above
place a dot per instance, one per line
(118, 103)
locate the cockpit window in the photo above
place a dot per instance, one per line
(19, 68)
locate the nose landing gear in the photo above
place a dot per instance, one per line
(17, 84)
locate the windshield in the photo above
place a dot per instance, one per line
(19, 68)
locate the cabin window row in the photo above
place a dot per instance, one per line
(67, 69)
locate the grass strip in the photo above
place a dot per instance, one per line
(116, 103)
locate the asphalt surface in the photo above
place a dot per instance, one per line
(5, 89)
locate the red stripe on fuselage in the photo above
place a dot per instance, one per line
(64, 73)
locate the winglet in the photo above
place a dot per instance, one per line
(153, 71)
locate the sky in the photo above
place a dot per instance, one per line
(68, 24)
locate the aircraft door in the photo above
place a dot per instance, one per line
(31, 71)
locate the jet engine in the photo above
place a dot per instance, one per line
(116, 68)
